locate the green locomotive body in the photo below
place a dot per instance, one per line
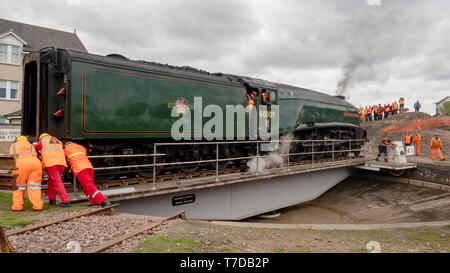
(112, 104)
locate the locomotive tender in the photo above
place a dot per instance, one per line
(115, 106)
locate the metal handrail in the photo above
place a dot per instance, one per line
(256, 141)
(132, 155)
(257, 155)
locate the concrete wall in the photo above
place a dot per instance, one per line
(430, 172)
(435, 173)
(239, 200)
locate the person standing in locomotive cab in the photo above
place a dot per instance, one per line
(54, 162)
(265, 97)
(250, 98)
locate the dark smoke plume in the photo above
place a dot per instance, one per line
(348, 72)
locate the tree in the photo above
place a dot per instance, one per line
(445, 109)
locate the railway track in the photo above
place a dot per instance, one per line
(100, 211)
(45, 230)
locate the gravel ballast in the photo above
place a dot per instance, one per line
(86, 232)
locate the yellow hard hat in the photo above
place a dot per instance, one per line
(42, 135)
(21, 138)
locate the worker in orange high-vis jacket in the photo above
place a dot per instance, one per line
(395, 108)
(436, 145)
(408, 139)
(402, 105)
(387, 109)
(380, 111)
(417, 141)
(265, 99)
(54, 162)
(84, 172)
(251, 99)
(29, 170)
(382, 148)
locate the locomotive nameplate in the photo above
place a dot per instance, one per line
(184, 199)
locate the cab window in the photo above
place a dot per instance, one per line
(273, 96)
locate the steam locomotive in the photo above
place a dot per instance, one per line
(116, 106)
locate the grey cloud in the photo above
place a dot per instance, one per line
(304, 42)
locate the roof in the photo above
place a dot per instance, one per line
(39, 37)
(291, 92)
(13, 34)
(285, 91)
(120, 61)
(448, 97)
(17, 113)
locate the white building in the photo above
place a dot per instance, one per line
(17, 40)
(440, 103)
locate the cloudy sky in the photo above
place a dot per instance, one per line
(386, 48)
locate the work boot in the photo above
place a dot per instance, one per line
(105, 203)
(52, 202)
(37, 210)
(64, 205)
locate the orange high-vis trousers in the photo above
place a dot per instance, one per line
(438, 151)
(29, 179)
(417, 149)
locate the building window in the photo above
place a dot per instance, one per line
(9, 54)
(9, 90)
(2, 89)
(3, 53)
(14, 54)
(14, 91)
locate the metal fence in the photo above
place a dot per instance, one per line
(335, 151)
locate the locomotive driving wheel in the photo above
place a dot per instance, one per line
(224, 153)
(293, 149)
(147, 172)
(190, 154)
(106, 175)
